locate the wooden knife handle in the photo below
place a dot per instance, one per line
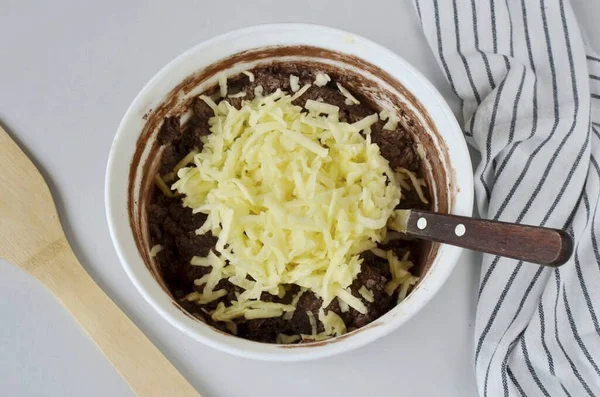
(544, 246)
(140, 363)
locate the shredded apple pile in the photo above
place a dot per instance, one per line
(293, 196)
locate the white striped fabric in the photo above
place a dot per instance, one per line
(530, 95)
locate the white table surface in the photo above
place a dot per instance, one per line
(68, 71)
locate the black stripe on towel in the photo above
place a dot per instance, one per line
(514, 381)
(560, 345)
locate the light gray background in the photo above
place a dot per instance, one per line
(68, 71)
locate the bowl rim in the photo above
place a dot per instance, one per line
(115, 210)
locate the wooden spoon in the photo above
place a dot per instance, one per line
(31, 237)
(544, 246)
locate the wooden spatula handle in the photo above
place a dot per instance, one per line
(544, 246)
(142, 365)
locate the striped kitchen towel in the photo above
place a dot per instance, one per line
(529, 89)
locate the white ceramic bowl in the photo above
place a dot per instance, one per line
(440, 127)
